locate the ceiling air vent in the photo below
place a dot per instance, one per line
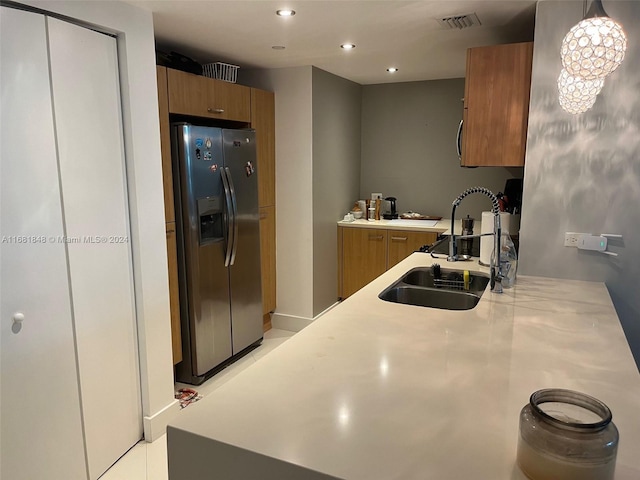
(460, 21)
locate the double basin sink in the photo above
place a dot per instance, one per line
(451, 291)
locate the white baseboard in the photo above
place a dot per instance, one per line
(294, 323)
(156, 425)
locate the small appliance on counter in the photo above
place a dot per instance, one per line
(466, 244)
(392, 214)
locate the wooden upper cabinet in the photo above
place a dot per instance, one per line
(263, 121)
(496, 105)
(165, 143)
(200, 96)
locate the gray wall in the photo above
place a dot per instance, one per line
(582, 173)
(408, 148)
(336, 113)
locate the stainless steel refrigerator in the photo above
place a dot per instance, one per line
(218, 234)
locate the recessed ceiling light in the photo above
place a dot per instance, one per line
(278, 47)
(348, 46)
(392, 69)
(286, 13)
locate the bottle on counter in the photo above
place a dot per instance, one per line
(508, 260)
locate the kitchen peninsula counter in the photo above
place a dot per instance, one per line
(378, 390)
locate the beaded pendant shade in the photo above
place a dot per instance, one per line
(577, 95)
(594, 48)
(591, 50)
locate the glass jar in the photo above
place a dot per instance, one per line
(566, 435)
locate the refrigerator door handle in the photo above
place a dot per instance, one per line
(235, 216)
(229, 241)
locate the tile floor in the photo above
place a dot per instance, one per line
(148, 461)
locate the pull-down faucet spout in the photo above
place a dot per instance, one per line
(495, 265)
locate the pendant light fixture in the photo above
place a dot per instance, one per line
(591, 50)
(577, 95)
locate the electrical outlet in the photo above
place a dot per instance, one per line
(571, 239)
(375, 196)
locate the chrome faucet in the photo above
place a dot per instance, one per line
(496, 270)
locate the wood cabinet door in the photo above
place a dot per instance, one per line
(268, 258)
(174, 295)
(200, 96)
(403, 243)
(187, 93)
(364, 257)
(497, 89)
(165, 143)
(228, 101)
(264, 122)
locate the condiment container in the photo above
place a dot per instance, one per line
(566, 435)
(372, 214)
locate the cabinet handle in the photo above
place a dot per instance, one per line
(399, 239)
(215, 110)
(375, 237)
(263, 216)
(170, 231)
(459, 140)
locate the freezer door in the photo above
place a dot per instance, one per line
(203, 214)
(245, 279)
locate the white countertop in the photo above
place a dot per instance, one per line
(378, 390)
(441, 226)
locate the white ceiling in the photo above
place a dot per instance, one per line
(387, 33)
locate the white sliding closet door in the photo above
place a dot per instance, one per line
(85, 86)
(40, 415)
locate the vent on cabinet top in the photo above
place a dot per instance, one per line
(459, 21)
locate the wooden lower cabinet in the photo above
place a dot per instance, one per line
(364, 257)
(366, 253)
(403, 243)
(268, 261)
(174, 296)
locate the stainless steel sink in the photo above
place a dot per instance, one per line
(418, 287)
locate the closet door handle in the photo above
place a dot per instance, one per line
(399, 239)
(215, 110)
